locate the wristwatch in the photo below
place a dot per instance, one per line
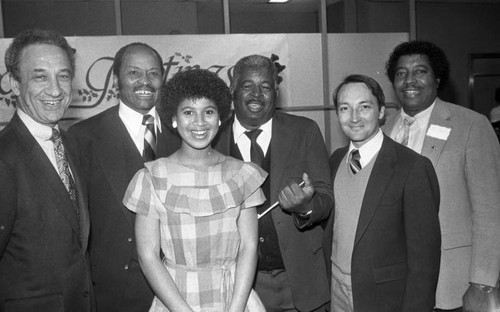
(484, 288)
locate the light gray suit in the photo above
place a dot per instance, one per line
(467, 164)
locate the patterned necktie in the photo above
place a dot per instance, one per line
(149, 152)
(404, 133)
(256, 153)
(63, 168)
(354, 161)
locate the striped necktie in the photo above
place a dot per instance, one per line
(354, 161)
(149, 152)
(404, 134)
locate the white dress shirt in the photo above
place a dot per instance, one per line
(42, 134)
(243, 142)
(368, 150)
(418, 128)
(133, 123)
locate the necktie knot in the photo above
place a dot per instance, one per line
(253, 134)
(354, 161)
(408, 121)
(56, 136)
(148, 120)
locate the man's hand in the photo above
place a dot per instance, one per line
(294, 198)
(476, 300)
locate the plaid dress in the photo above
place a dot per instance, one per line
(198, 213)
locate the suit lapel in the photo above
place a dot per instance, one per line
(280, 146)
(377, 183)
(118, 157)
(433, 147)
(44, 172)
(81, 191)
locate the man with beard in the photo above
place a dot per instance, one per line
(291, 269)
(464, 150)
(113, 146)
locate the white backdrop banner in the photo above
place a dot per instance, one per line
(93, 89)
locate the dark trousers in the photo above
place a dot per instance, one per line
(275, 291)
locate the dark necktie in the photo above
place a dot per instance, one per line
(354, 161)
(149, 152)
(256, 153)
(63, 168)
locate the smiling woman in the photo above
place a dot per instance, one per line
(197, 188)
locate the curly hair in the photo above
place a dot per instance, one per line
(193, 84)
(33, 37)
(437, 59)
(370, 83)
(118, 59)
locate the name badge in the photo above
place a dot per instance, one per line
(438, 132)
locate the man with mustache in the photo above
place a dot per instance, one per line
(113, 146)
(464, 150)
(291, 270)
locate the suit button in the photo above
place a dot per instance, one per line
(126, 267)
(85, 294)
(130, 239)
(261, 239)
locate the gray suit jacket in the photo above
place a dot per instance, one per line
(43, 265)
(467, 164)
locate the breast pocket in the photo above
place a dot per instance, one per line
(389, 273)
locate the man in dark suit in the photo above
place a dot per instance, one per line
(113, 146)
(383, 241)
(465, 153)
(291, 270)
(44, 224)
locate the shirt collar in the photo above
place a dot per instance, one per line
(239, 130)
(423, 115)
(133, 119)
(39, 131)
(368, 150)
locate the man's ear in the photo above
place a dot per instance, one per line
(438, 82)
(116, 84)
(381, 113)
(14, 85)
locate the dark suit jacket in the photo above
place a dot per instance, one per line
(395, 261)
(297, 146)
(110, 160)
(43, 264)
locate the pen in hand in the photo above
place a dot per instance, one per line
(273, 205)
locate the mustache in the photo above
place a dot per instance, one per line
(255, 101)
(145, 87)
